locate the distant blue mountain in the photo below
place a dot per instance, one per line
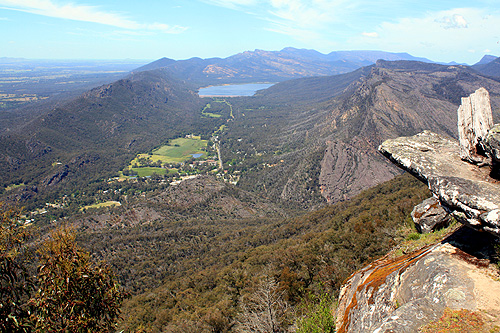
(272, 66)
(487, 66)
(486, 59)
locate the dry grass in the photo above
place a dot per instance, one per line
(459, 321)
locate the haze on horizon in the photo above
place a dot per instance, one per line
(445, 31)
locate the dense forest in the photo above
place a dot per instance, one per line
(197, 275)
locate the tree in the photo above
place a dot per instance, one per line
(74, 294)
(265, 311)
(16, 284)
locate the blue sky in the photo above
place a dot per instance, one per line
(461, 31)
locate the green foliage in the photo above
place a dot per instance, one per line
(415, 240)
(413, 236)
(74, 294)
(319, 315)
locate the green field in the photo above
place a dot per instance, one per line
(102, 204)
(181, 149)
(205, 112)
(216, 111)
(149, 171)
(176, 151)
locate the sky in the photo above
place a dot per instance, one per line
(440, 30)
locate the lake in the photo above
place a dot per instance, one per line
(233, 90)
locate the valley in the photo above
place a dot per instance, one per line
(197, 203)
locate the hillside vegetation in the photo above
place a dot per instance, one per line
(205, 272)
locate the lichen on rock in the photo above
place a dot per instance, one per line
(407, 292)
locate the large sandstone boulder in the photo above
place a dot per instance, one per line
(405, 293)
(429, 216)
(464, 189)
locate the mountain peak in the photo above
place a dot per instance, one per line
(490, 68)
(160, 63)
(487, 58)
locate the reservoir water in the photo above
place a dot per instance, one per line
(233, 90)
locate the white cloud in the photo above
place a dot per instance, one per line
(453, 22)
(295, 13)
(307, 21)
(307, 13)
(84, 13)
(370, 34)
(233, 4)
(297, 33)
(429, 35)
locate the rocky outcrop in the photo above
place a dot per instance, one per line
(405, 293)
(474, 121)
(429, 216)
(491, 144)
(465, 190)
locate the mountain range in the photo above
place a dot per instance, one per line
(489, 65)
(319, 133)
(272, 66)
(304, 197)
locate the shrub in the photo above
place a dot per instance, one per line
(16, 284)
(318, 317)
(74, 293)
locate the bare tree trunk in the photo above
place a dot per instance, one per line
(265, 311)
(474, 121)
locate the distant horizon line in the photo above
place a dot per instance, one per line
(136, 60)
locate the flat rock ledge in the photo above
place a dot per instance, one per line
(465, 190)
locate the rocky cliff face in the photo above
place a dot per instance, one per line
(394, 99)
